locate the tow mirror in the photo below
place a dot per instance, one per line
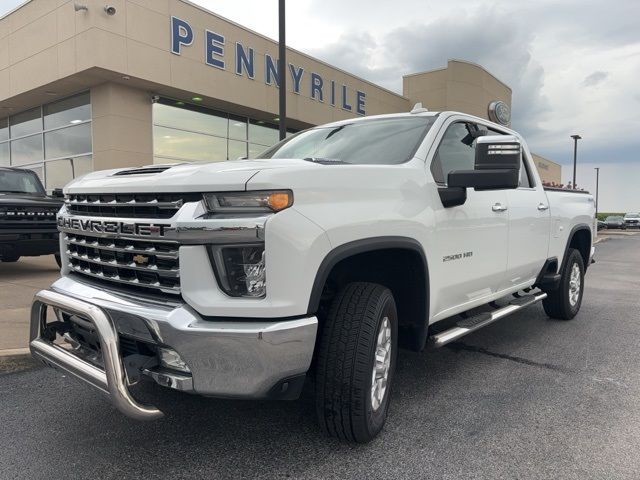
(497, 165)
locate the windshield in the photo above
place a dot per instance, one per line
(20, 181)
(384, 141)
(632, 215)
(613, 219)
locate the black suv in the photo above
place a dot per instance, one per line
(27, 216)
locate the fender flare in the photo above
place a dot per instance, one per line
(577, 228)
(365, 245)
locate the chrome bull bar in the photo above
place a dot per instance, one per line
(113, 379)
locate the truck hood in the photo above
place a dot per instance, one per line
(177, 178)
(27, 200)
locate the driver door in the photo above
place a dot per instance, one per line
(471, 239)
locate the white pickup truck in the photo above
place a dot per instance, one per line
(319, 259)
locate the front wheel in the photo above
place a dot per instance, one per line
(356, 362)
(564, 303)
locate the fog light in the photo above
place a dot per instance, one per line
(172, 359)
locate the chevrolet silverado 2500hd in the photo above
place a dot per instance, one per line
(338, 245)
(27, 216)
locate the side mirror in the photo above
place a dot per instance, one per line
(57, 193)
(497, 165)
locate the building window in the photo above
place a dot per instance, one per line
(188, 133)
(60, 172)
(26, 123)
(68, 142)
(69, 111)
(54, 140)
(4, 129)
(189, 146)
(26, 150)
(4, 154)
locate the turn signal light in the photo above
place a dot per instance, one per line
(279, 200)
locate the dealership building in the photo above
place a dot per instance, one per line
(84, 87)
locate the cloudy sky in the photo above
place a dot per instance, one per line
(573, 65)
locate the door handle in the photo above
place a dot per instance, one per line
(542, 207)
(498, 207)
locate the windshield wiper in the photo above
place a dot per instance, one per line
(325, 161)
(13, 191)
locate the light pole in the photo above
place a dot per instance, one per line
(597, 169)
(575, 153)
(282, 63)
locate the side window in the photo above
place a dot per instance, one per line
(455, 152)
(526, 180)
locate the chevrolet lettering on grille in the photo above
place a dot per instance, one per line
(114, 227)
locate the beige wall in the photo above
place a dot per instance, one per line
(550, 172)
(122, 130)
(460, 86)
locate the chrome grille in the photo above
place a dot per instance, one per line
(140, 263)
(129, 205)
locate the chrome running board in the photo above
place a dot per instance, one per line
(471, 324)
(113, 379)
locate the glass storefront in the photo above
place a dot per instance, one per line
(54, 140)
(184, 132)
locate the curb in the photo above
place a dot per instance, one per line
(15, 354)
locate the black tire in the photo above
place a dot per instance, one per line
(558, 303)
(10, 258)
(58, 259)
(345, 362)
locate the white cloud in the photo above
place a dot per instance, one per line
(595, 78)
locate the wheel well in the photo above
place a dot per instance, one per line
(401, 270)
(581, 241)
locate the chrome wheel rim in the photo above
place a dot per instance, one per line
(381, 364)
(575, 282)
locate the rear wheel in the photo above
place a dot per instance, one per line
(564, 303)
(356, 362)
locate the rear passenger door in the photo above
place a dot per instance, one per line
(529, 224)
(471, 239)
(529, 227)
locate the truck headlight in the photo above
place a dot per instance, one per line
(249, 202)
(240, 269)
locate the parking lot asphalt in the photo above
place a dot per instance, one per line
(19, 282)
(526, 398)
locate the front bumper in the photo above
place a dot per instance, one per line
(234, 358)
(29, 242)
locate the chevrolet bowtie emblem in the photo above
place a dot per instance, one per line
(140, 259)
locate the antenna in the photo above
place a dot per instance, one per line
(418, 108)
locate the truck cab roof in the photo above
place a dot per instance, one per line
(422, 113)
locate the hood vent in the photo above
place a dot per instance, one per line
(144, 170)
